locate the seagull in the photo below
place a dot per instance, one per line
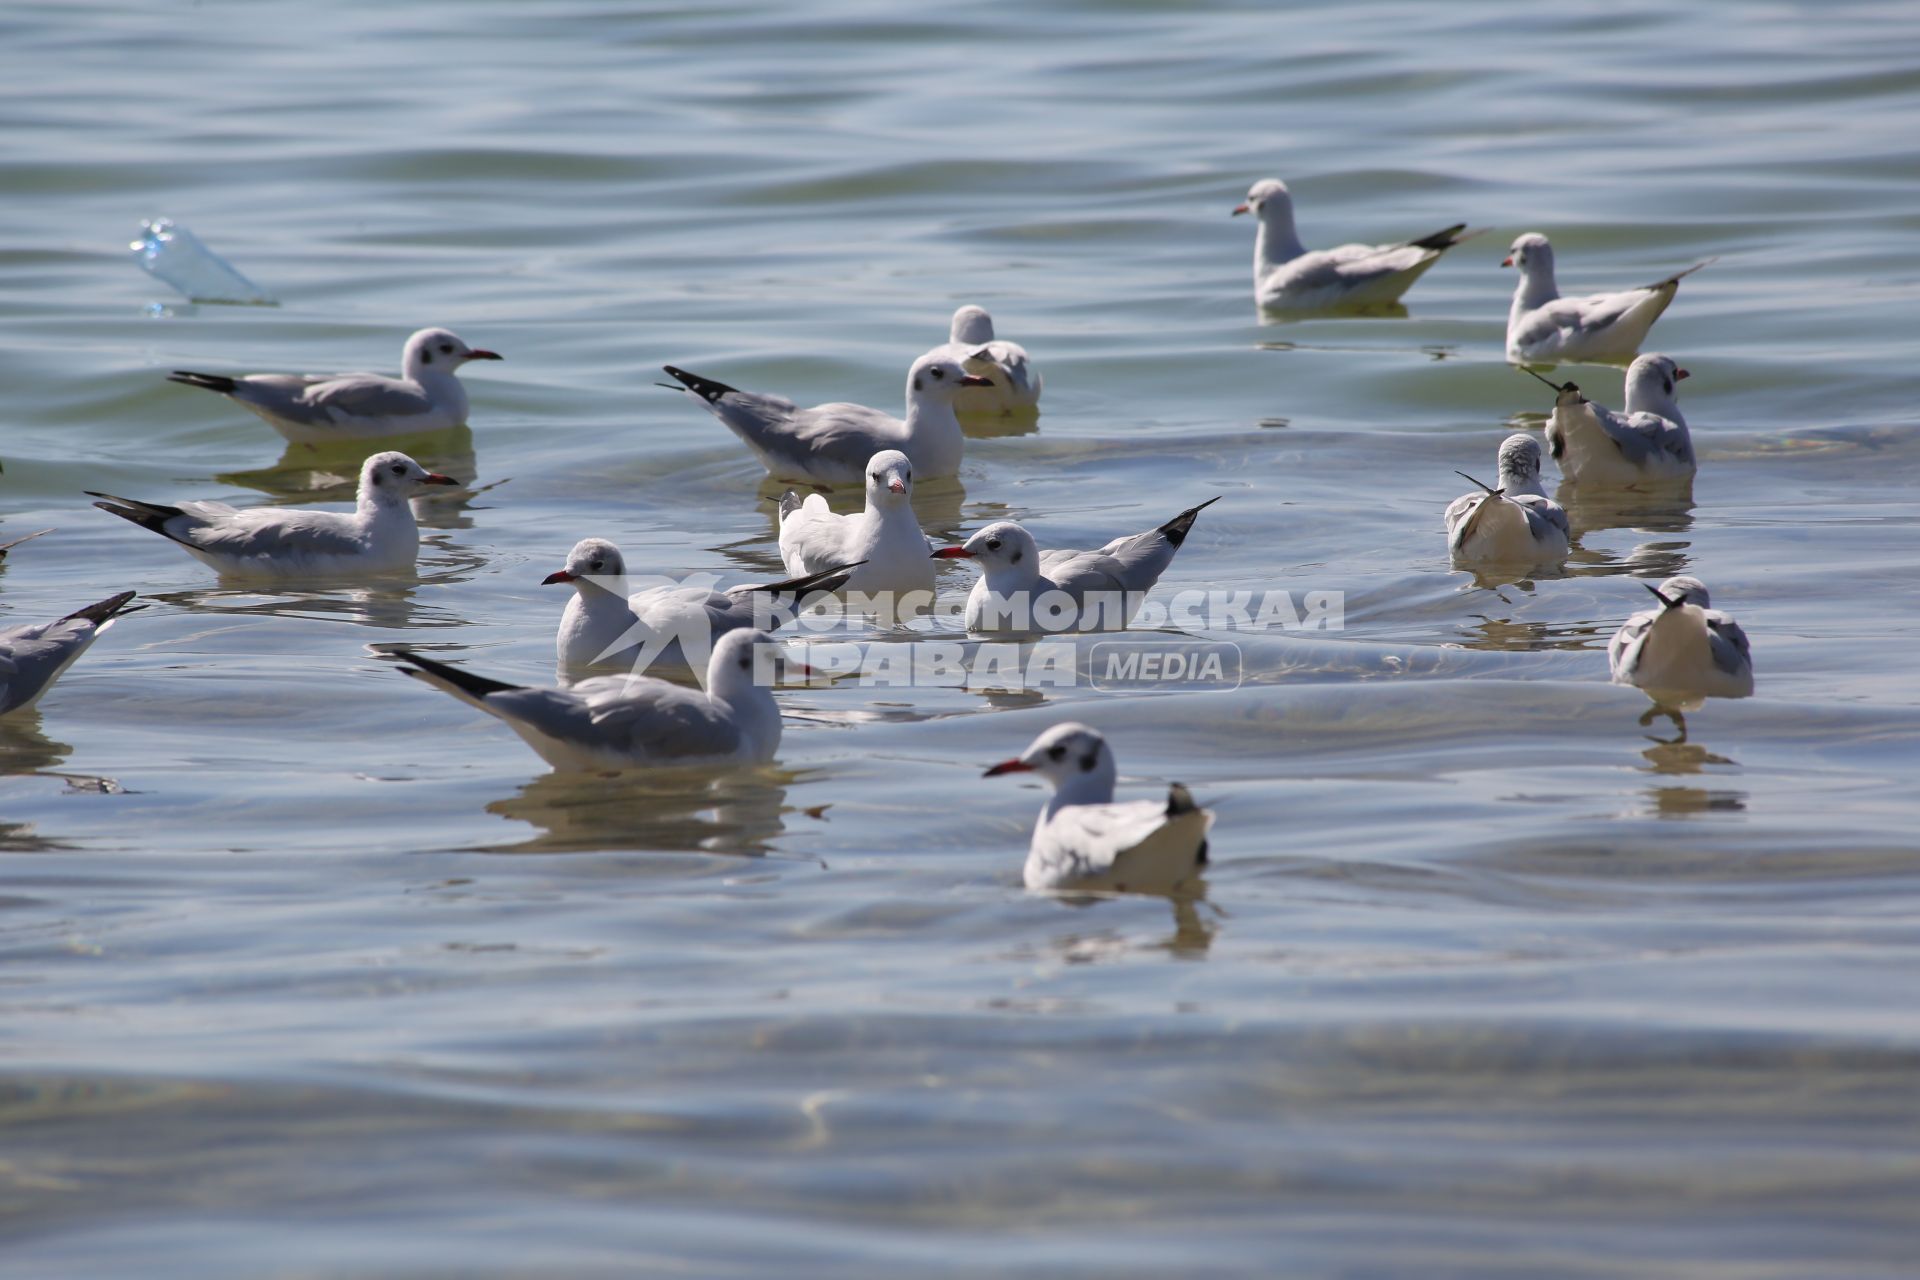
(1515, 523)
(1016, 383)
(33, 656)
(604, 627)
(831, 443)
(623, 722)
(314, 408)
(1086, 841)
(1594, 445)
(1545, 328)
(1286, 276)
(884, 537)
(1024, 589)
(1683, 646)
(380, 536)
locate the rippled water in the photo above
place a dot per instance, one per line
(310, 971)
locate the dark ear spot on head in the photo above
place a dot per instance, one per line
(1088, 761)
(1669, 382)
(426, 357)
(1017, 555)
(916, 382)
(376, 478)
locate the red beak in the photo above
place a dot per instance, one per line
(1507, 261)
(1681, 373)
(952, 553)
(434, 477)
(974, 380)
(559, 575)
(896, 486)
(484, 355)
(1008, 766)
(1238, 210)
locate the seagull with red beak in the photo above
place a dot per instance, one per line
(1602, 328)
(379, 536)
(884, 536)
(1085, 841)
(1648, 443)
(310, 408)
(1288, 276)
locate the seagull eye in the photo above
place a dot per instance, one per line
(993, 544)
(446, 348)
(873, 475)
(399, 468)
(595, 566)
(1058, 752)
(938, 373)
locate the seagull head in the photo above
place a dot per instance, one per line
(1531, 254)
(889, 479)
(745, 659)
(591, 563)
(389, 478)
(1520, 462)
(438, 351)
(936, 378)
(1683, 589)
(999, 547)
(972, 326)
(1071, 756)
(1267, 197)
(1651, 384)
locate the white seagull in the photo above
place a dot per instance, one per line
(1024, 589)
(1514, 522)
(1683, 647)
(1288, 276)
(380, 536)
(622, 722)
(604, 627)
(884, 537)
(1016, 383)
(1084, 840)
(1545, 328)
(831, 443)
(313, 408)
(33, 656)
(1650, 441)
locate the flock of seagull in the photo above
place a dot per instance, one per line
(606, 715)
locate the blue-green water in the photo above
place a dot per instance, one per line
(306, 970)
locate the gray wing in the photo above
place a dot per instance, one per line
(221, 530)
(1731, 652)
(1641, 436)
(32, 656)
(1582, 317)
(1623, 651)
(1133, 563)
(328, 401)
(635, 716)
(843, 436)
(1543, 514)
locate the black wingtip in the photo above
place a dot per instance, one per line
(1177, 529)
(207, 381)
(1678, 276)
(1444, 239)
(1179, 801)
(458, 677)
(148, 515)
(831, 579)
(1665, 603)
(1491, 491)
(706, 388)
(102, 610)
(1559, 388)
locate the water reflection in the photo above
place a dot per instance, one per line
(385, 605)
(1665, 508)
(733, 811)
(1194, 927)
(329, 472)
(1022, 421)
(1677, 756)
(24, 748)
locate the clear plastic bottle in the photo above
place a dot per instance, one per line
(174, 254)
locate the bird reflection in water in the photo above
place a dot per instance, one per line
(329, 473)
(1678, 757)
(730, 811)
(1195, 922)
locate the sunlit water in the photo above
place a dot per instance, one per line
(309, 970)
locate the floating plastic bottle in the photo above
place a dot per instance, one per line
(174, 254)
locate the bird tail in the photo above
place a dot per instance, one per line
(209, 381)
(104, 611)
(148, 515)
(1673, 280)
(459, 682)
(1560, 388)
(826, 580)
(1176, 529)
(1447, 238)
(706, 388)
